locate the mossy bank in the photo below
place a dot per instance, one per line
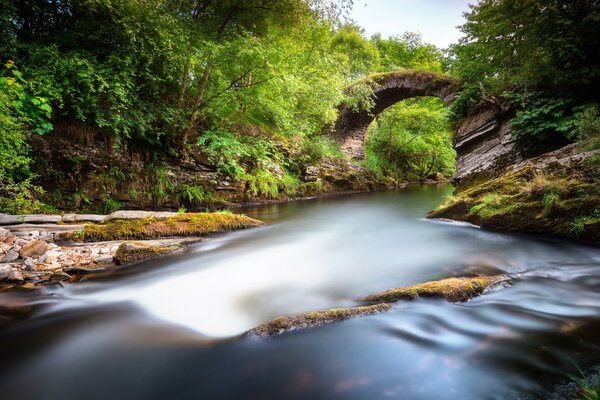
(556, 194)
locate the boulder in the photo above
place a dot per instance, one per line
(34, 248)
(104, 259)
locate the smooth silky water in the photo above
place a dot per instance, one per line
(169, 329)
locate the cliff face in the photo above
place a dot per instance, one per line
(484, 147)
(92, 176)
(555, 194)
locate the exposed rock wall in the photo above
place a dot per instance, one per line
(484, 146)
(86, 177)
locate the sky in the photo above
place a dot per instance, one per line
(436, 20)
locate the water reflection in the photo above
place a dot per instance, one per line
(153, 331)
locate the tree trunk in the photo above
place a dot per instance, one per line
(185, 137)
(185, 79)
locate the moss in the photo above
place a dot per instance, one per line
(434, 79)
(559, 201)
(129, 253)
(150, 228)
(451, 289)
(314, 319)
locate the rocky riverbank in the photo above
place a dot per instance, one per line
(48, 249)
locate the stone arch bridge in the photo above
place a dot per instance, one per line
(388, 89)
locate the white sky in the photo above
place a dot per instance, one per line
(436, 20)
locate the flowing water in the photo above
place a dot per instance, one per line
(169, 329)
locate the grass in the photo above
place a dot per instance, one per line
(578, 226)
(151, 228)
(490, 205)
(551, 198)
(589, 386)
(451, 289)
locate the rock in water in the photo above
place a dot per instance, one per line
(34, 248)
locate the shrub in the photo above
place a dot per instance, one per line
(587, 128)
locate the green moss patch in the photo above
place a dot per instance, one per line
(151, 228)
(451, 289)
(313, 319)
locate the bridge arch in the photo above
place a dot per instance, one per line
(388, 89)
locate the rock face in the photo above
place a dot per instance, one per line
(484, 146)
(93, 172)
(388, 89)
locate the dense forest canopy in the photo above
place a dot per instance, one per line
(239, 80)
(538, 58)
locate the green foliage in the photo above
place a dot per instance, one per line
(411, 141)
(523, 44)
(316, 148)
(262, 183)
(587, 128)
(540, 58)
(407, 51)
(194, 195)
(590, 390)
(579, 224)
(551, 198)
(468, 101)
(359, 54)
(538, 115)
(162, 186)
(20, 114)
(110, 205)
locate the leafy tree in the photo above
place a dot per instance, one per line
(537, 58)
(411, 141)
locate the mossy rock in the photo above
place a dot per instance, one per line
(314, 319)
(130, 253)
(451, 289)
(151, 228)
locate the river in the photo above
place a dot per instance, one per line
(169, 329)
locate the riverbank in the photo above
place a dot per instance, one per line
(37, 250)
(556, 194)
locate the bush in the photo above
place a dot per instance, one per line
(587, 128)
(318, 147)
(20, 115)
